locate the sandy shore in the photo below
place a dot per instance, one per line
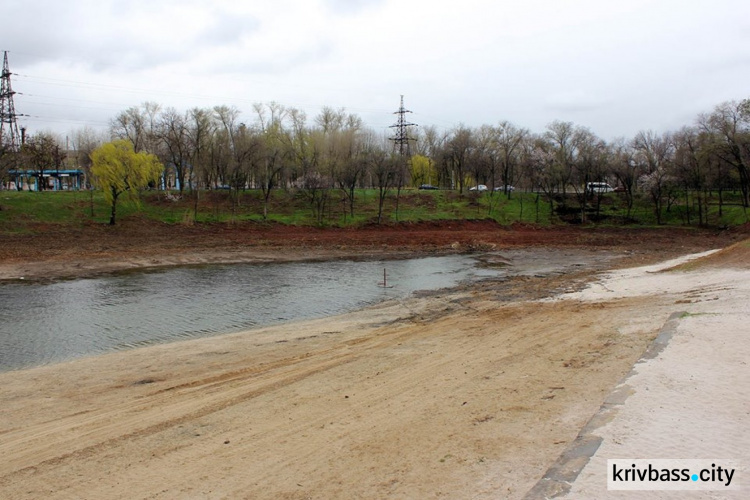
(469, 394)
(689, 396)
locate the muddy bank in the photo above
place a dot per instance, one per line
(53, 252)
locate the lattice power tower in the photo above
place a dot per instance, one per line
(10, 139)
(402, 139)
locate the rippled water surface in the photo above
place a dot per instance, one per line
(43, 323)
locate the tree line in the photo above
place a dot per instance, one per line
(280, 148)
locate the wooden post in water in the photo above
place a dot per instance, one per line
(383, 283)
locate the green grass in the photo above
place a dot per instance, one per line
(520, 207)
(23, 211)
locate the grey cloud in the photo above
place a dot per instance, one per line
(248, 62)
(571, 108)
(729, 62)
(105, 35)
(571, 103)
(226, 29)
(39, 34)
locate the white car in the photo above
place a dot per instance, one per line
(598, 188)
(503, 188)
(480, 187)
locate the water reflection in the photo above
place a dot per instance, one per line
(53, 322)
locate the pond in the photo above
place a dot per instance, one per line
(46, 323)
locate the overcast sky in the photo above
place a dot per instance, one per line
(613, 66)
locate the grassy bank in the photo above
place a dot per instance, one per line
(25, 211)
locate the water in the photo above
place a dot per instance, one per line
(45, 323)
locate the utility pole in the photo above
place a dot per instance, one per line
(402, 139)
(10, 139)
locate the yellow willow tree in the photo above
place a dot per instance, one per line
(423, 171)
(117, 169)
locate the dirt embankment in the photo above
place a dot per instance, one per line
(52, 252)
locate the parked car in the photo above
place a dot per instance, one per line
(428, 187)
(598, 188)
(503, 188)
(480, 187)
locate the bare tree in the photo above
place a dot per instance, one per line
(382, 167)
(562, 139)
(273, 159)
(316, 188)
(130, 125)
(174, 134)
(344, 157)
(331, 120)
(655, 154)
(626, 170)
(43, 152)
(243, 146)
(691, 168)
(729, 126)
(485, 161)
(509, 141)
(589, 166)
(9, 160)
(432, 144)
(456, 155)
(201, 128)
(429, 141)
(85, 141)
(138, 125)
(348, 178)
(539, 165)
(400, 177)
(301, 144)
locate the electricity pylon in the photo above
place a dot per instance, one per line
(10, 139)
(402, 139)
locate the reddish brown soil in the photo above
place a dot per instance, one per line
(53, 251)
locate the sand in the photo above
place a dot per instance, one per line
(689, 396)
(463, 394)
(692, 402)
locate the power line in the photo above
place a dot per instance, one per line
(64, 120)
(147, 93)
(135, 90)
